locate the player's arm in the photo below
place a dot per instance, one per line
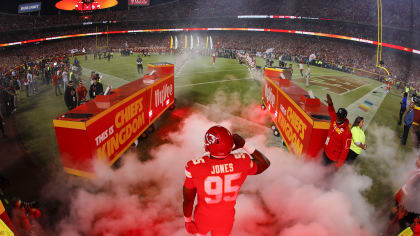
(262, 161)
(189, 192)
(188, 204)
(331, 109)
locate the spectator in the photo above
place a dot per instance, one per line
(81, 93)
(357, 139)
(403, 106)
(65, 77)
(96, 88)
(56, 85)
(35, 85)
(28, 83)
(17, 84)
(70, 97)
(92, 77)
(338, 140)
(301, 68)
(308, 75)
(408, 120)
(2, 123)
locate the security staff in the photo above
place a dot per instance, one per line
(403, 106)
(408, 120)
(140, 64)
(70, 96)
(96, 88)
(357, 139)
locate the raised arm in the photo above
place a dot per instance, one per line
(262, 161)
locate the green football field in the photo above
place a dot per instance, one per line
(232, 87)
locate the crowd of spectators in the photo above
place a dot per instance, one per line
(403, 66)
(356, 18)
(393, 36)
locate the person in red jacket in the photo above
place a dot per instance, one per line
(338, 141)
(56, 85)
(416, 226)
(81, 93)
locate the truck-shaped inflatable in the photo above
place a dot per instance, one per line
(105, 127)
(302, 121)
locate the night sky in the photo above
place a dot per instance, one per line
(48, 6)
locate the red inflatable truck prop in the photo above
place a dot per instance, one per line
(302, 122)
(106, 126)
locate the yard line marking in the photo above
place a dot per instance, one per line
(179, 69)
(211, 82)
(249, 71)
(114, 81)
(351, 90)
(209, 71)
(254, 126)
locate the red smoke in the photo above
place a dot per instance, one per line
(292, 198)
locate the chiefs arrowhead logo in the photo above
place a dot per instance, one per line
(210, 139)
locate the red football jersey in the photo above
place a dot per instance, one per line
(218, 181)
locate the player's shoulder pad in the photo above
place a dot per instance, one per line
(197, 161)
(241, 155)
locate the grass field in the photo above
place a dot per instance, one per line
(198, 81)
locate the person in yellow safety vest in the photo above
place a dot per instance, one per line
(5, 230)
(413, 230)
(358, 139)
(6, 226)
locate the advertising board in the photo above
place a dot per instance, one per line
(139, 2)
(29, 7)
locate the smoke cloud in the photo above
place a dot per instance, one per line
(292, 197)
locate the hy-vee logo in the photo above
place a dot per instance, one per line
(162, 94)
(269, 95)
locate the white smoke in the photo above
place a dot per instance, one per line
(397, 164)
(292, 197)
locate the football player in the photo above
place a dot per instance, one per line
(216, 179)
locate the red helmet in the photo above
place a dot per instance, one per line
(218, 141)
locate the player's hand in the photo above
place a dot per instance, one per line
(239, 141)
(329, 100)
(191, 227)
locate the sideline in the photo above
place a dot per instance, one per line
(372, 101)
(211, 82)
(209, 71)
